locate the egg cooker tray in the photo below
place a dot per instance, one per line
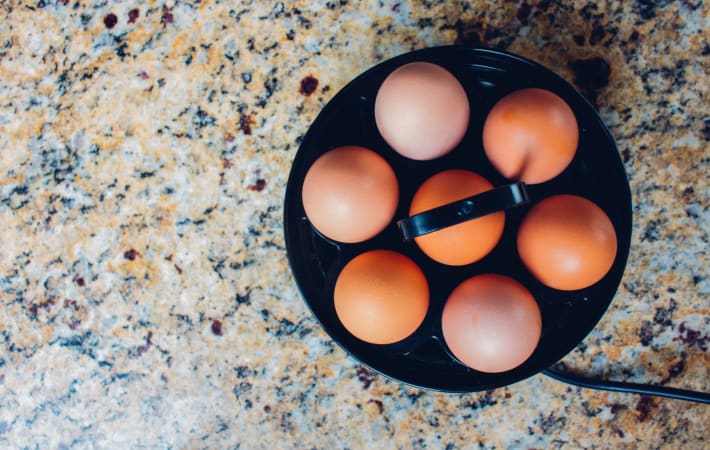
(423, 360)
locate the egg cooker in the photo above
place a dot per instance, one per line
(423, 359)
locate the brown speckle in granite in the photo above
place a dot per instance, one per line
(365, 376)
(378, 403)
(133, 15)
(258, 186)
(69, 303)
(45, 305)
(267, 409)
(691, 337)
(131, 254)
(308, 85)
(146, 346)
(110, 20)
(245, 123)
(226, 163)
(167, 16)
(216, 327)
(615, 408)
(178, 268)
(644, 407)
(79, 281)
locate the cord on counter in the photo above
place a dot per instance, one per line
(635, 388)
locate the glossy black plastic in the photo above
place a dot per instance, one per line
(423, 360)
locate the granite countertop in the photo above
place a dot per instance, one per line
(146, 299)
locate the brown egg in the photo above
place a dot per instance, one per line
(567, 242)
(422, 111)
(381, 296)
(491, 323)
(463, 243)
(350, 194)
(530, 135)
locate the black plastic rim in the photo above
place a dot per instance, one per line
(422, 359)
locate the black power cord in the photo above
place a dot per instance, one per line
(635, 388)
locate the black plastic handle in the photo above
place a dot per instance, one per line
(479, 205)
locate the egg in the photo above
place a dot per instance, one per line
(381, 296)
(530, 135)
(465, 242)
(567, 242)
(491, 323)
(350, 194)
(422, 111)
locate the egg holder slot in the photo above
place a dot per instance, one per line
(423, 359)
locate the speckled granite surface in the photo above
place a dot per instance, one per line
(145, 295)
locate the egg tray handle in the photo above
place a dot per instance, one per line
(498, 199)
